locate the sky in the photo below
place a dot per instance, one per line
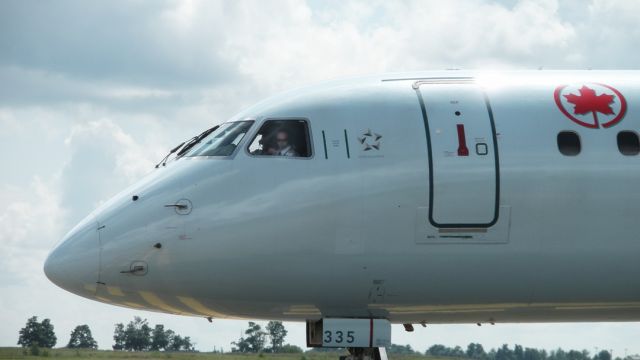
(93, 94)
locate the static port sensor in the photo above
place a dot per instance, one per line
(349, 333)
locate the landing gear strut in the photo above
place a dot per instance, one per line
(378, 353)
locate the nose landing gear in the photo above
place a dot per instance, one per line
(377, 353)
(365, 339)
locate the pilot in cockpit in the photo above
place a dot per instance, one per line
(281, 138)
(282, 145)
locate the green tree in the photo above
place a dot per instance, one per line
(36, 333)
(169, 334)
(137, 335)
(558, 355)
(81, 338)
(187, 345)
(441, 350)
(504, 353)
(437, 350)
(401, 350)
(457, 352)
(602, 355)
(578, 355)
(241, 346)
(175, 343)
(534, 354)
(475, 351)
(277, 333)
(119, 337)
(290, 349)
(179, 343)
(254, 342)
(160, 338)
(518, 352)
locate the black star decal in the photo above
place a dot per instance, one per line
(370, 140)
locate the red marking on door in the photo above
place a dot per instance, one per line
(462, 141)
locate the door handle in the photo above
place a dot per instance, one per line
(136, 268)
(178, 206)
(133, 270)
(182, 206)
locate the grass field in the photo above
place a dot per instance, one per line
(61, 354)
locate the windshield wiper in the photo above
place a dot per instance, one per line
(186, 145)
(163, 162)
(195, 140)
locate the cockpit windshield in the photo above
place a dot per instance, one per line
(223, 140)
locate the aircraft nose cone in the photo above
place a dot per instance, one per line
(55, 269)
(74, 263)
(50, 269)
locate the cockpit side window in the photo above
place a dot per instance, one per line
(223, 141)
(289, 138)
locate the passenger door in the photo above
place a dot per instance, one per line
(463, 155)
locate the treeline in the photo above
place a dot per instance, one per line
(476, 351)
(40, 334)
(255, 339)
(137, 335)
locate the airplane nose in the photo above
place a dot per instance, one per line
(49, 268)
(73, 265)
(55, 269)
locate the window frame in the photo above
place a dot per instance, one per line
(309, 139)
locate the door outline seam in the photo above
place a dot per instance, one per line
(496, 214)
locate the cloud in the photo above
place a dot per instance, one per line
(606, 38)
(176, 53)
(318, 42)
(27, 86)
(30, 218)
(103, 160)
(143, 42)
(93, 94)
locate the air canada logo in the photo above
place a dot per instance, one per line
(370, 140)
(591, 105)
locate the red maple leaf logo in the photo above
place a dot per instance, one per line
(589, 102)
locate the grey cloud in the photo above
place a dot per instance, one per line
(103, 160)
(130, 42)
(25, 89)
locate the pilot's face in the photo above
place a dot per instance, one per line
(282, 140)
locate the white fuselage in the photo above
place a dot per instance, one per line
(412, 230)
